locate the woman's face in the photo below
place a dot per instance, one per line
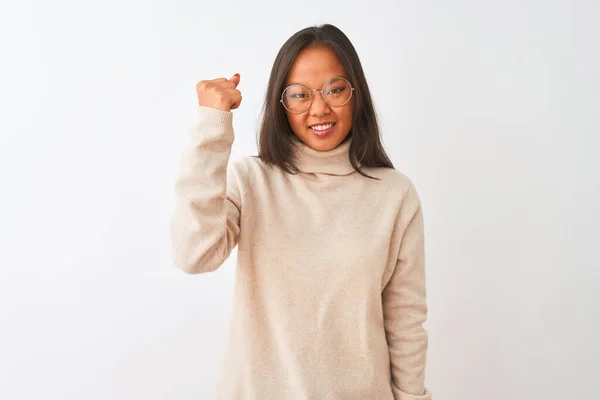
(313, 67)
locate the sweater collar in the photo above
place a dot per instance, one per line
(331, 162)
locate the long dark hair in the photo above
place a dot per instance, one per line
(275, 142)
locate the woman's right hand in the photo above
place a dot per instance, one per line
(221, 93)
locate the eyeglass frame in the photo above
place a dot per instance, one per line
(310, 93)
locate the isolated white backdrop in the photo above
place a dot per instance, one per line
(490, 107)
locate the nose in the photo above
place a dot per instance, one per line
(318, 108)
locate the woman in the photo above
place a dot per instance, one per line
(330, 281)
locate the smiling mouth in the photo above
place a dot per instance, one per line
(322, 127)
(322, 130)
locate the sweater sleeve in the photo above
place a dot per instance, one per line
(405, 308)
(205, 223)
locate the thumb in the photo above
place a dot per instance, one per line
(235, 79)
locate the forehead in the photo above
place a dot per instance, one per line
(314, 66)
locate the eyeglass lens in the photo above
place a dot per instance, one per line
(336, 92)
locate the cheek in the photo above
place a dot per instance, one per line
(297, 121)
(344, 116)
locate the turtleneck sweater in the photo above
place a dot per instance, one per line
(329, 296)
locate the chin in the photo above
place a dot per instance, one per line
(326, 143)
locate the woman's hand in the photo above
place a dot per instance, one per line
(221, 93)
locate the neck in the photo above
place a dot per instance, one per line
(331, 162)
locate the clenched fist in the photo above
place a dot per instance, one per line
(221, 93)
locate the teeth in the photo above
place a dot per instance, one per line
(321, 127)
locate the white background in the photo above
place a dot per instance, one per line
(490, 107)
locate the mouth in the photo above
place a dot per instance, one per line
(322, 130)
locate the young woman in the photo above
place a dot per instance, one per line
(330, 281)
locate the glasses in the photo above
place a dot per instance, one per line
(336, 92)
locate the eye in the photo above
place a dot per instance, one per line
(336, 90)
(298, 96)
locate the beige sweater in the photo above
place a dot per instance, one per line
(330, 280)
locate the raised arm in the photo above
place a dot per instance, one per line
(205, 224)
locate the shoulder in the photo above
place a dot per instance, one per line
(249, 165)
(249, 169)
(396, 187)
(392, 179)
(255, 168)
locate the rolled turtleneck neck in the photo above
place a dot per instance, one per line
(331, 162)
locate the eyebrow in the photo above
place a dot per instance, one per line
(335, 76)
